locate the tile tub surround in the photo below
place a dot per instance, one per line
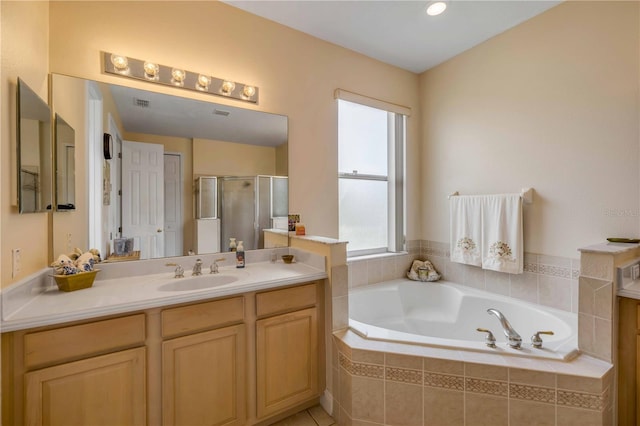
(416, 387)
(547, 280)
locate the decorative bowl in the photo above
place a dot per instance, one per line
(76, 281)
(287, 258)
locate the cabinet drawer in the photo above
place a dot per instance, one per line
(64, 344)
(187, 319)
(273, 302)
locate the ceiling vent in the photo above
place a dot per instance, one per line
(142, 103)
(221, 112)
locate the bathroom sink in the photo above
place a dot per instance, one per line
(198, 283)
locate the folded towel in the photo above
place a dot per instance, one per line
(423, 270)
(502, 236)
(465, 214)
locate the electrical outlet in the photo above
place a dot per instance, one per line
(15, 262)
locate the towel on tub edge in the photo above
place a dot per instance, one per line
(465, 213)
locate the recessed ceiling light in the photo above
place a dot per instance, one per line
(436, 8)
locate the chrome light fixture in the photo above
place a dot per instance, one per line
(149, 71)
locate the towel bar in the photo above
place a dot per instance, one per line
(526, 194)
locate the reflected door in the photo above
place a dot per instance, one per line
(143, 197)
(172, 205)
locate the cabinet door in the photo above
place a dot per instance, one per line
(287, 360)
(204, 378)
(103, 390)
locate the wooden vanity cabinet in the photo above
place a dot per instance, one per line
(628, 361)
(287, 348)
(204, 372)
(242, 360)
(84, 374)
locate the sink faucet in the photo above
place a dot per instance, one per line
(179, 271)
(515, 341)
(214, 265)
(197, 268)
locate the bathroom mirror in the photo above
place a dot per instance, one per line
(178, 139)
(65, 146)
(33, 135)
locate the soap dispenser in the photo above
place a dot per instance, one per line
(232, 244)
(240, 255)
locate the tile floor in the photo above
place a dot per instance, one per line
(314, 416)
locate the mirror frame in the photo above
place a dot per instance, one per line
(43, 185)
(69, 205)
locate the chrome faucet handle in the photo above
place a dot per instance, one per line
(214, 265)
(197, 268)
(490, 340)
(536, 340)
(179, 271)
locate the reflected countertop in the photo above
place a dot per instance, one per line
(27, 307)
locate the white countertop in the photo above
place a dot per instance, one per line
(631, 291)
(135, 293)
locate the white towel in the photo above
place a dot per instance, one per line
(465, 216)
(502, 236)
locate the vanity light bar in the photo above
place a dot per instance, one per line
(152, 72)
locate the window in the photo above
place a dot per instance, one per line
(371, 177)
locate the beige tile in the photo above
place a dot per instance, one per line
(357, 274)
(335, 383)
(596, 265)
(344, 383)
(340, 312)
(586, 333)
(554, 292)
(563, 262)
(603, 339)
(403, 404)
(485, 410)
(525, 287)
(363, 423)
(446, 366)
(580, 384)
(389, 269)
(603, 301)
(403, 263)
(403, 361)
(497, 282)
(367, 357)
(339, 280)
(531, 413)
(345, 419)
(454, 272)
(574, 296)
(474, 277)
(321, 417)
(566, 416)
(374, 271)
(367, 401)
(299, 419)
(483, 371)
(530, 377)
(443, 407)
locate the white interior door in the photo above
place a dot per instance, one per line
(143, 197)
(173, 204)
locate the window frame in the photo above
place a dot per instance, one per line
(395, 178)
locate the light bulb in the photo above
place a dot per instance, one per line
(178, 76)
(227, 87)
(203, 82)
(249, 91)
(436, 8)
(120, 63)
(151, 70)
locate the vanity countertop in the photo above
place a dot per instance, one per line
(128, 294)
(631, 291)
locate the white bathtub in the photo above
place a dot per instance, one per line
(444, 314)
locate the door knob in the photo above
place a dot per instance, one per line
(159, 230)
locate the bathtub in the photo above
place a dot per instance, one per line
(445, 314)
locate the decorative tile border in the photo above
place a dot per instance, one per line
(596, 402)
(532, 393)
(444, 381)
(554, 271)
(489, 387)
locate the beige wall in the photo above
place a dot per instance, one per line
(297, 75)
(24, 38)
(551, 104)
(219, 158)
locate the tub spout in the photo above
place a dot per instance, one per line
(515, 341)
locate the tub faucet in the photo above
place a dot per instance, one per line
(515, 341)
